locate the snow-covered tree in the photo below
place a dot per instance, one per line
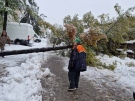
(8, 7)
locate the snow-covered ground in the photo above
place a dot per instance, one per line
(44, 43)
(24, 72)
(124, 72)
(123, 76)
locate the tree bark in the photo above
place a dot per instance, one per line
(5, 16)
(34, 50)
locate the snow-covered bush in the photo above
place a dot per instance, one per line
(102, 65)
(130, 64)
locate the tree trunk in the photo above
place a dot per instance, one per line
(5, 16)
(34, 50)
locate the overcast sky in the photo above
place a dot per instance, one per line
(56, 10)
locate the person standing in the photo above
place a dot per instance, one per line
(3, 39)
(77, 64)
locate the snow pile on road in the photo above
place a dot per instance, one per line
(123, 76)
(22, 83)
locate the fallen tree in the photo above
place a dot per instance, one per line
(33, 50)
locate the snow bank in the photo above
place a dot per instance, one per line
(24, 73)
(131, 41)
(23, 82)
(125, 51)
(123, 76)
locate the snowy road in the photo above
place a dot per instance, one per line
(55, 87)
(21, 74)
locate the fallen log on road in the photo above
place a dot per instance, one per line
(33, 50)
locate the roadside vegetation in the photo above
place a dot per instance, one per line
(99, 35)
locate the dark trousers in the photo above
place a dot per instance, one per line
(73, 79)
(2, 48)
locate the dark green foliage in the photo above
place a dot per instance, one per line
(131, 34)
(102, 47)
(91, 60)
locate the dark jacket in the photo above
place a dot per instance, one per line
(3, 40)
(77, 60)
